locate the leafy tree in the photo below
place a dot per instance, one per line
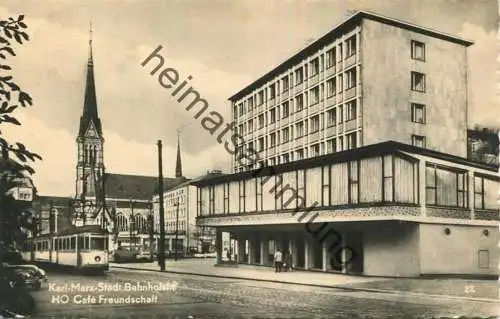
(13, 172)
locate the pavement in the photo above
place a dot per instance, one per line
(467, 289)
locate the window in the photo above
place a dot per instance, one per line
(260, 97)
(272, 115)
(331, 117)
(418, 82)
(272, 140)
(250, 103)
(445, 186)
(314, 123)
(351, 140)
(340, 83)
(351, 46)
(315, 95)
(331, 146)
(299, 76)
(300, 154)
(418, 113)
(299, 127)
(351, 78)
(315, 150)
(235, 112)
(285, 82)
(241, 108)
(341, 114)
(286, 158)
(485, 192)
(261, 121)
(250, 146)
(286, 109)
(240, 129)
(272, 91)
(353, 182)
(330, 87)
(351, 110)
(250, 125)
(417, 50)
(286, 134)
(299, 103)
(314, 67)
(330, 58)
(418, 141)
(262, 145)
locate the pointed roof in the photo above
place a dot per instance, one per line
(178, 163)
(90, 114)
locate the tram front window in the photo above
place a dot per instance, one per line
(97, 244)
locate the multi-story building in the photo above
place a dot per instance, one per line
(368, 80)
(366, 134)
(180, 219)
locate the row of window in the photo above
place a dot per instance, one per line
(450, 187)
(68, 244)
(349, 109)
(310, 69)
(381, 179)
(320, 63)
(334, 85)
(338, 144)
(300, 129)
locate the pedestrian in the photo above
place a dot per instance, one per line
(278, 260)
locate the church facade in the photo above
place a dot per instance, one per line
(120, 203)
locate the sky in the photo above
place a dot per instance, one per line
(224, 45)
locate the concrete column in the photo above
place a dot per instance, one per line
(252, 242)
(293, 249)
(241, 249)
(345, 241)
(218, 245)
(309, 251)
(306, 252)
(264, 250)
(324, 247)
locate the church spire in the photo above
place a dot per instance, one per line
(90, 114)
(90, 46)
(178, 164)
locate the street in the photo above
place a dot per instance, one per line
(142, 294)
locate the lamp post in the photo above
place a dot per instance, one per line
(176, 228)
(161, 248)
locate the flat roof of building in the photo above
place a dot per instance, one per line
(343, 26)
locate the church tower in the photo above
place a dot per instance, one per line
(178, 164)
(90, 164)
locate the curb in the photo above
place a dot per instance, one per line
(394, 292)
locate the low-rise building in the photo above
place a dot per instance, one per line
(388, 209)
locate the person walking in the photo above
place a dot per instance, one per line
(278, 260)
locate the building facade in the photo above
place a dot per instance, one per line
(369, 80)
(359, 166)
(182, 235)
(388, 209)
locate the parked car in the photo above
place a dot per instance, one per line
(28, 276)
(37, 271)
(124, 255)
(144, 255)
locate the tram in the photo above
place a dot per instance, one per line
(84, 247)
